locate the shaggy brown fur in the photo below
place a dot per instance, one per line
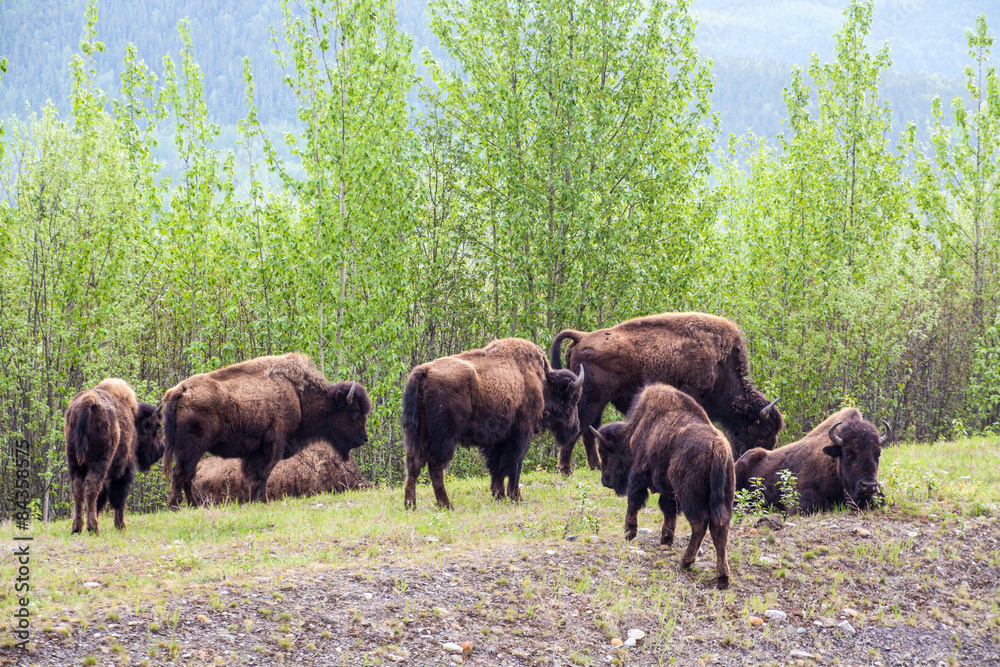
(702, 355)
(668, 445)
(260, 411)
(316, 469)
(494, 398)
(108, 433)
(828, 474)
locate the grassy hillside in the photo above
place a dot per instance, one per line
(354, 579)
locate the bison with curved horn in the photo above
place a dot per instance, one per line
(703, 355)
(836, 462)
(494, 398)
(260, 411)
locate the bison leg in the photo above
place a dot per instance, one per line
(514, 482)
(92, 486)
(698, 529)
(78, 502)
(414, 464)
(590, 415)
(117, 494)
(184, 468)
(638, 493)
(668, 505)
(720, 538)
(435, 470)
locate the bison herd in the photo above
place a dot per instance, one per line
(672, 375)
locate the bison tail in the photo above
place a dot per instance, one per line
(555, 350)
(411, 407)
(722, 485)
(169, 433)
(82, 445)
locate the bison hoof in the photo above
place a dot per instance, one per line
(722, 583)
(667, 541)
(630, 534)
(410, 505)
(686, 564)
(566, 472)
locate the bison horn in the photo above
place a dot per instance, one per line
(837, 440)
(578, 382)
(597, 434)
(766, 410)
(884, 440)
(350, 394)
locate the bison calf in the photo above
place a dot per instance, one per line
(836, 462)
(494, 398)
(667, 445)
(108, 433)
(316, 469)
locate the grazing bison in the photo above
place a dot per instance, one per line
(668, 445)
(260, 411)
(836, 462)
(316, 469)
(108, 433)
(494, 398)
(702, 355)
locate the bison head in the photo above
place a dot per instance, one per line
(562, 392)
(857, 447)
(759, 425)
(149, 447)
(616, 456)
(349, 408)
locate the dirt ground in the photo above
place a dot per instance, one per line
(915, 590)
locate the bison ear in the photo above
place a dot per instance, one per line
(833, 451)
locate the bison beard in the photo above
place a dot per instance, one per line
(260, 411)
(108, 434)
(834, 463)
(494, 398)
(702, 355)
(668, 445)
(316, 469)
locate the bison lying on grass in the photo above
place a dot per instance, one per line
(108, 433)
(494, 398)
(836, 462)
(260, 411)
(703, 355)
(668, 445)
(316, 469)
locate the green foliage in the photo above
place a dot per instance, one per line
(750, 503)
(788, 488)
(559, 178)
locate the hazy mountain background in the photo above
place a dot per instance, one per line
(753, 45)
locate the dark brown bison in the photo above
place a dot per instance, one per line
(494, 398)
(668, 445)
(703, 355)
(108, 433)
(260, 411)
(316, 469)
(837, 462)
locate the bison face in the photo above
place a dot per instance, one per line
(857, 447)
(760, 426)
(149, 447)
(562, 392)
(349, 409)
(616, 456)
